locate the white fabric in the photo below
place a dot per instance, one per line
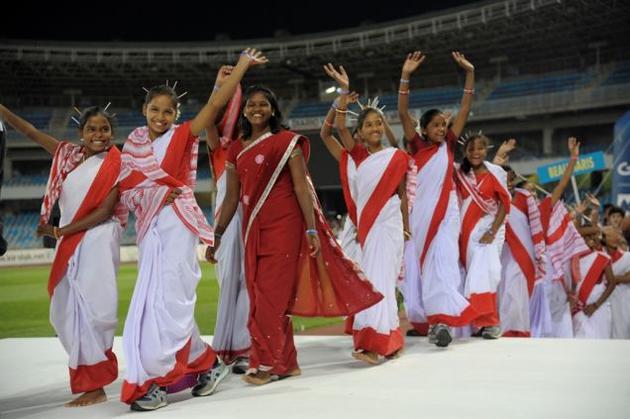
(599, 325)
(83, 307)
(483, 263)
(348, 241)
(231, 333)
(561, 320)
(513, 295)
(383, 248)
(434, 288)
(620, 300)
(539, 312)
(161, 319)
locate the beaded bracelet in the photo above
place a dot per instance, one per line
(404, 81)
(311, 232)
(403, 92)
(469, 91)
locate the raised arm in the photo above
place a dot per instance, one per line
(342, 79)
(410, 65)
(208, 114)
(503, 153)
(223, 74)
(26, 128)
(326, 132)
(389, 133)
(574, 151)
(469, 90)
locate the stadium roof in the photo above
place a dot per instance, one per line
(511, 37)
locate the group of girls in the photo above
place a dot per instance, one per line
(413, 214)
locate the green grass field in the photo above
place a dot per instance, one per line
(24, 302)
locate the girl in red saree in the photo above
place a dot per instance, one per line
(293, 264)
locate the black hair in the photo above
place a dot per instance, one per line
(95, 111)
(466, 166)
(363, 114)
(275, 121)
(163, 90)
(616, 210)
(507, 168)
(426, 119)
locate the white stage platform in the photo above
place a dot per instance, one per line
(508, 378)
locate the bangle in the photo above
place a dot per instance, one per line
(407, 234)
(344, 91)
(469, 91)
(339, 110)
(218, 235)
(490, 232)
(404, 81)
(311, 232)
(403, 92)
(574, 158)
(328, 124)
(216, 87)
(56, 233)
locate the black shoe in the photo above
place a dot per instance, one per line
(442, 336)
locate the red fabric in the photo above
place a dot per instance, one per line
(386, 187)
(176, 161)
(359, 153)
(133, 391)
(281, 276)
(521, 256)
(486, 304)
(102, 184)
(442, 204)
(616, 255)
(592, 277)
(86, 378)
(345, 187)
(463, 319)
(488, 188)
(424, 150)
(516, 334)
(369, 339)
(218, 158)
(421, 328)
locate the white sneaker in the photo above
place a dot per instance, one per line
(210, 380)
(154, 399)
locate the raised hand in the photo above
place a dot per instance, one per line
(413, 61)
(353, 97)
(574, 147)
(253, 57)
(461, 61)
(592, 200)
(340, 76)
(507, 146)
(223, 74)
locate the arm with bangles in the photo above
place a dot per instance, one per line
(297, 167)
(574, 150)
(212, 131)
(47, 142)
(488, 236)
(611, 282)
(467, 96)
(94, 218)
(326, 132)
(342, 79)
(411, 64)
(208, 114)
(228, 209)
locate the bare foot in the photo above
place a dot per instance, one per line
(88, 398)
